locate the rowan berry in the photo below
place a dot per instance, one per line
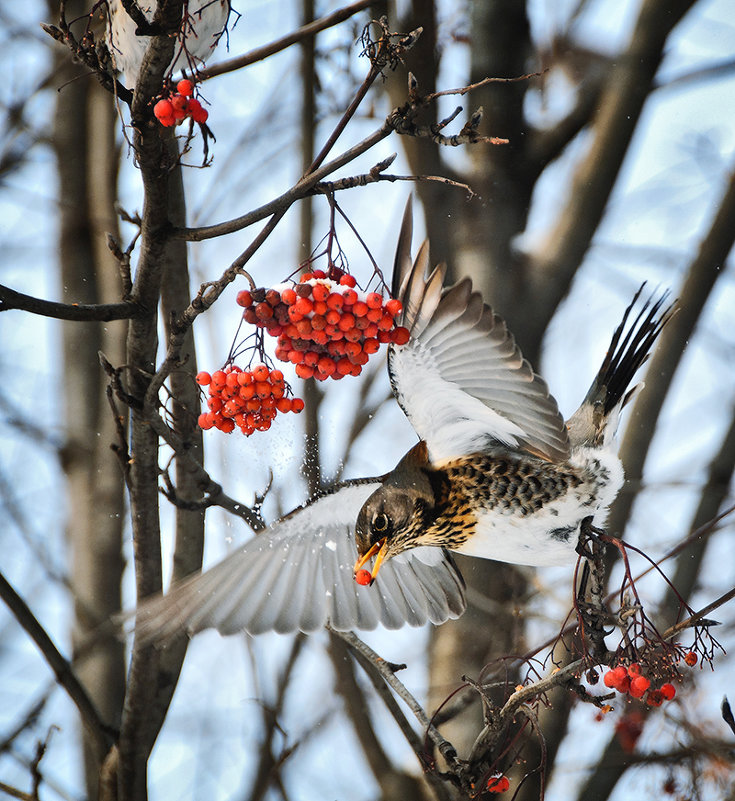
(185, 87)
(691, 659)
(261, 373)
(164, 112)
(197, 111)
(320, 292)
(638, 685)
(655, 698)
(394, 307)
(497, 784)
(363, 577)
(400, 336)
(668, 691)
(203, 379)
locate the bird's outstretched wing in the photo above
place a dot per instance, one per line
(461, 379)
(297, 575)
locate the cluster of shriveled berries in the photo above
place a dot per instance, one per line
(497, 784)
(249, 399)
(631, 681)
(325, 327)
(171, 110)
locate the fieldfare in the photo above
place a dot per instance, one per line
(497, 474)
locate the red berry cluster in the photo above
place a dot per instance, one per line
(325, 327)
(497, 784)
(249, 399)
(631, 681)
(171, 110)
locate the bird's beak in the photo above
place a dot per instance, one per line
(381, 548)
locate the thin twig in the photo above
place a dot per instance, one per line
(304, 32)
(66, 677)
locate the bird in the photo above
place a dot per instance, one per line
(203, 25)
(496, 473)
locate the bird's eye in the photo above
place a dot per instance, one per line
(380, 523)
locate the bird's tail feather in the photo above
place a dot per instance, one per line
(631, 344)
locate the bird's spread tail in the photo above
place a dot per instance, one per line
(595, 421)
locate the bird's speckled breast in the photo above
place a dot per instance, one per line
(469, 488)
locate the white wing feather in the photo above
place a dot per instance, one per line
(297, 576)
(461, 379)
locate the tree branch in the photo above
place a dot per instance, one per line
(66, 677)
(305, 31)
(79, 312)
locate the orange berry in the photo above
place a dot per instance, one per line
(283, 404)
(350, 296)
(273, 297)
(320, 292)
(204, 421)
(244, 298)
(363, 577)
(346, 321)
(371, 345)
(203, 379)
(231, 408)
(668, 691)
(304, 371)
(261, 373)
(400, 335)
(326, 365)
(276, 376)
(394, 307)
(164, 112)
(226, 425)
(264, 311)
(634, 669)
(185, 87)
(197, 111)
(344, 366)
(335, 301)
(691, 659)
(374, 300)
(247, 392)
(297, 405)
(360, 308)
(303, 306)
(262, 389)
(289, 297)
(347, 280)
(655, 698)
(219, 378)
(638, 685)
(497, 784)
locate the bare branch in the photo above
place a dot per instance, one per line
(79, 312)
(304, 32)
(61, 667)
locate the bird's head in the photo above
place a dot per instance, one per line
(391, 519)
